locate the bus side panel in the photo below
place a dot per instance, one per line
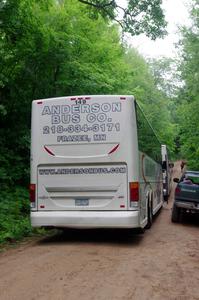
(150, 184)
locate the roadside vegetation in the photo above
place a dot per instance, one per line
(55, 48)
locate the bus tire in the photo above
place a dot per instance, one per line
(149, 216)
(175, 216)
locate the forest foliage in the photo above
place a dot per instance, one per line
(54, 48)
(188, 96)
(135, 17)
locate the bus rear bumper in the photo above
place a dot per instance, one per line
(86, 219)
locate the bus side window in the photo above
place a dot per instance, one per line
(148, 142)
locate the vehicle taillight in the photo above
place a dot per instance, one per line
(134, 191)
(32, 190)
(177, 190)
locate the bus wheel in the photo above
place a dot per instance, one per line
(149, 216)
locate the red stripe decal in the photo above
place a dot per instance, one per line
(72, 99)
(114, 149)
(122, 206)
(40, 102)
(122, 98)
(50, 152)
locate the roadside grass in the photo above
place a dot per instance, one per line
(15, 217)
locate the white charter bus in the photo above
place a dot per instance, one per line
(95, 163)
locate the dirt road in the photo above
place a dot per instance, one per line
(101, 265)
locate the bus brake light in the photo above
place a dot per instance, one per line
(134, 191)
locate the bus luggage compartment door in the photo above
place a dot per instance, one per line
(92, 187)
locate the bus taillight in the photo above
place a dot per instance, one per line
(32, 189)
(134, 191)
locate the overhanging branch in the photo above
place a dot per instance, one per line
(98, 5)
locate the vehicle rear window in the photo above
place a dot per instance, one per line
(194, 179)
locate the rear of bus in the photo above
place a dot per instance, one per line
(84, 162)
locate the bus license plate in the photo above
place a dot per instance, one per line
(81, 202)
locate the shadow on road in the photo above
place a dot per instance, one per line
(93, 236)
(191, 220)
